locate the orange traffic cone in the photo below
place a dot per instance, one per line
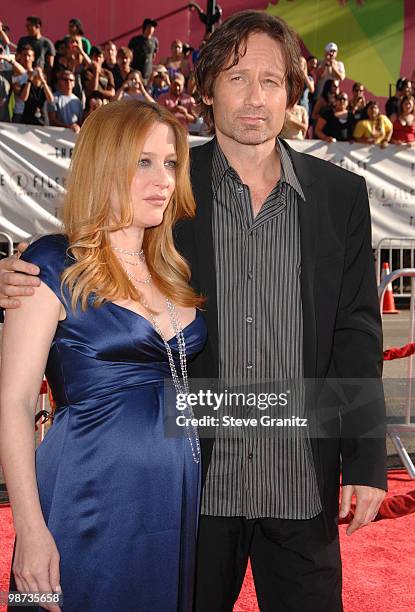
(388, 301)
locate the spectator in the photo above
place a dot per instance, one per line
(4, 38)
(403, 88)
(26, 58)
(76, 33)
(312, 65)
(295, 123)
(176, 62)
(358, 102)
(66, 109)
(35, 92)
(123, 67)
(110, 55)
(97, 78)
(404, 123)
(308, 88)
(94, 100)
(134, 88)
(336, 124)
(375, 128)
(329, 68)
(327, 98)
(196, 52)
(75, 60)
(191, 85)
(42, 46)
(179, 103)
(144, 48)
(9, 69)
(160, 82)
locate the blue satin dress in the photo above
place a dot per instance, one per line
(119, 497)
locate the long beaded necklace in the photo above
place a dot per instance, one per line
(181, 386)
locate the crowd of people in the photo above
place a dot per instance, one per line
(60, 84)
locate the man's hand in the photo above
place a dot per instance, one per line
(12, 282)
(75, 128)
(368, 500)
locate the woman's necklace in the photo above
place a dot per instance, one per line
(139, 254)
(181, 386)
(134, 279)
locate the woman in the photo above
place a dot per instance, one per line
(375, 128)
(109, 510)
(176, 63)
(295, 123)
(134, 88)
(308, 87)
(358, 101)
(76, 33)
(404, 123)
(327, 98)
(336, 124)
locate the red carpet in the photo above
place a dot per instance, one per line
(378, 563)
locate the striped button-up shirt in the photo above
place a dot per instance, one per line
(260, 325)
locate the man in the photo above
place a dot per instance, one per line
(123, 67)
(281, 248)
(179, 102)
(9, 69)
(110, 55)
(329, 68)
(42, 46)
(144, 48)
(96, 78)
(66, 109)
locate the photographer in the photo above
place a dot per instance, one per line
(159, 83)
(134, 88)
(35, 92)
(178, 102)
(97, 78)
(9, 68)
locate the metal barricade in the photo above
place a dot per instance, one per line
(394, 429)
(9, 241)
(400, 254)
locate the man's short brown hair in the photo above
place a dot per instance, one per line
(125, 52)
(228, 43)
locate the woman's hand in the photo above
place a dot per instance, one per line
(36, 564)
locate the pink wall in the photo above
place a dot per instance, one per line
(104, 19)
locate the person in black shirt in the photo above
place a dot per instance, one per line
(336, 123)
(144, 48)
(403, 88)
(42, 46)
(35, 92)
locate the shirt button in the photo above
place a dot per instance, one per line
(250, 275)
(240, 188)
(249, 365)
(250, 456)
(249, 319)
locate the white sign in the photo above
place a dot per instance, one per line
(34, 161)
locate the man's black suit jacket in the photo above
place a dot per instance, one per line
(342, 335)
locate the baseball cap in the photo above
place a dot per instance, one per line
(331, 46)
